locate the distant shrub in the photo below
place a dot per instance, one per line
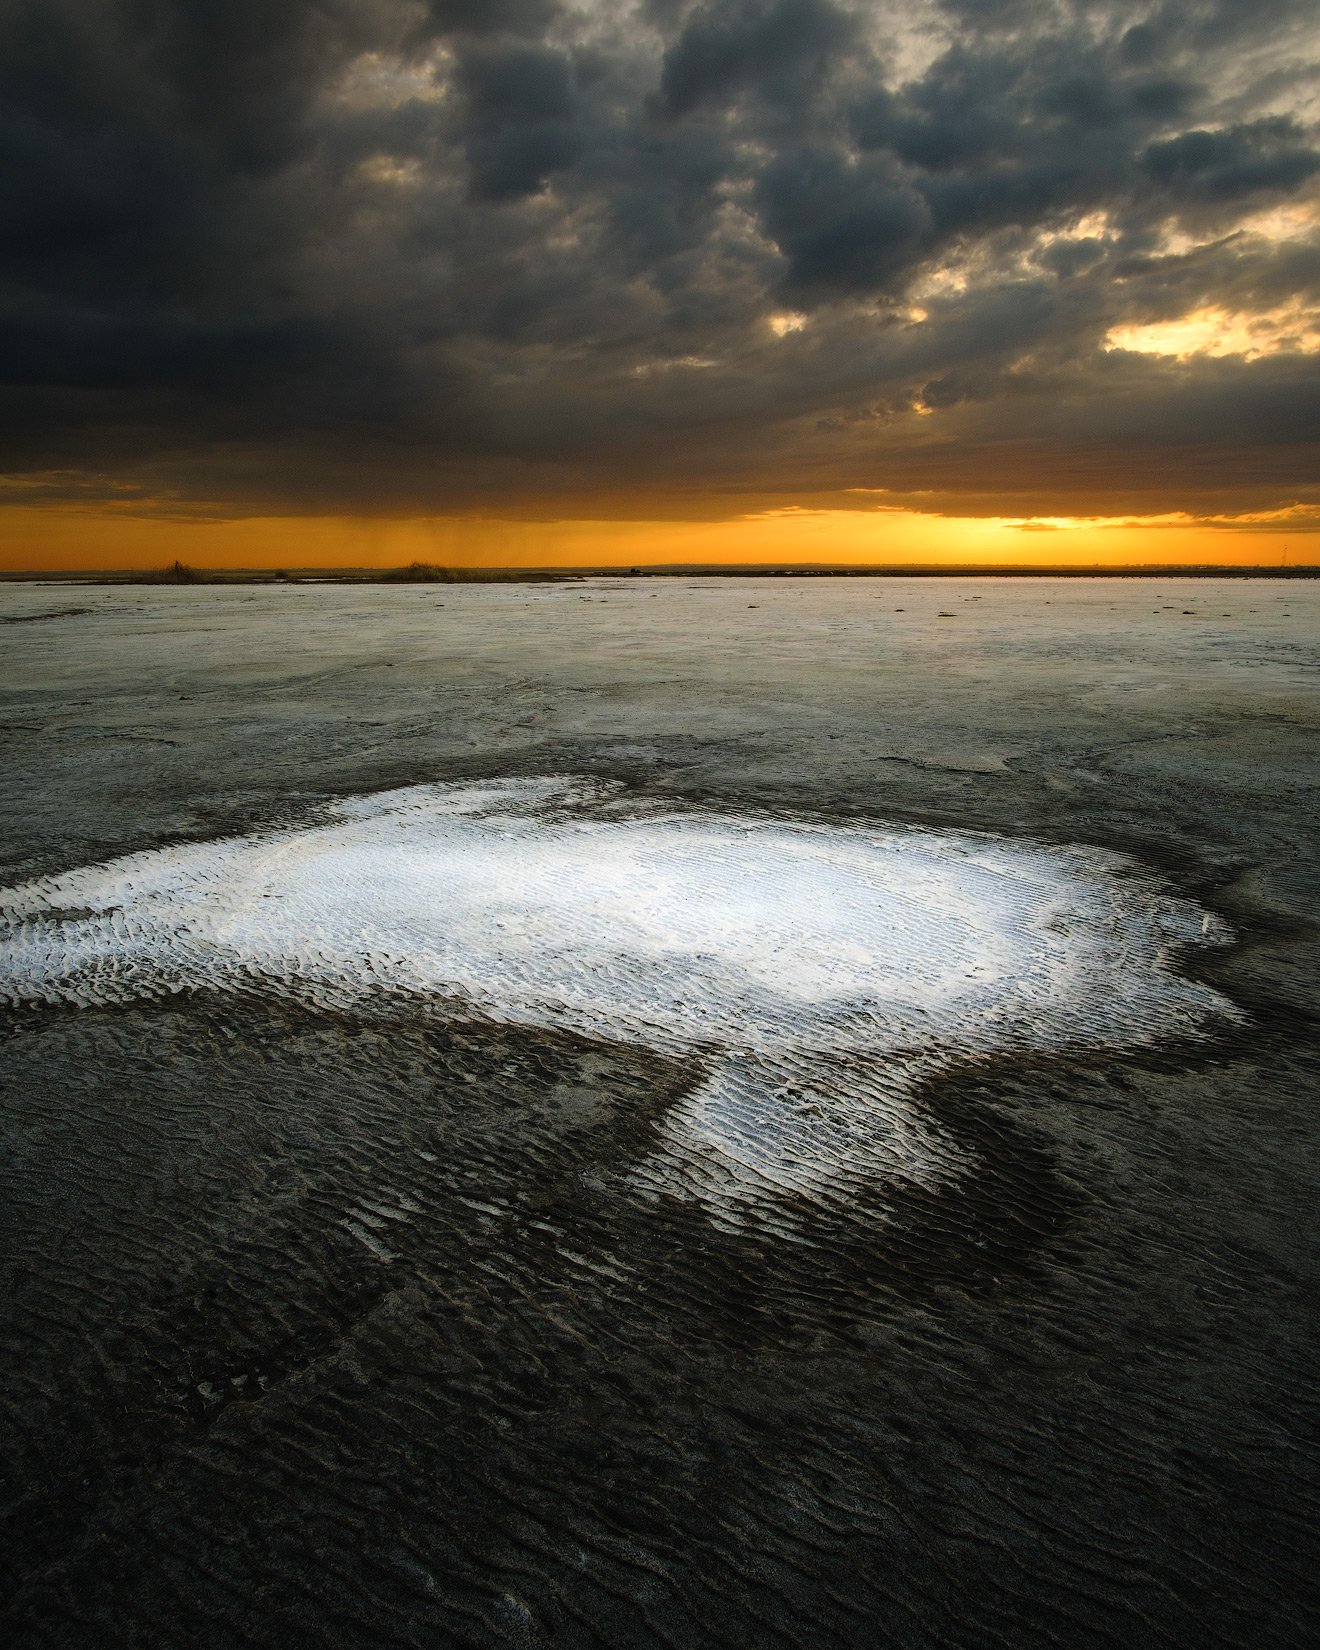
(417, 572)
(179, 572)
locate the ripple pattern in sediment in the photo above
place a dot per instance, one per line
(677, 1274)
(813, 975)
(340, 1330)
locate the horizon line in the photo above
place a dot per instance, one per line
(181, 573)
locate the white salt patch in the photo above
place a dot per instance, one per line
(816, 974)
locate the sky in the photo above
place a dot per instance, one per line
(579, 282)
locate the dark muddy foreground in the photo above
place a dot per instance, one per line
(349, 1331)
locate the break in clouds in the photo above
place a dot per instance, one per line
(662, 258)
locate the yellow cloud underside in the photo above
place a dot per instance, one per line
(1213, 331)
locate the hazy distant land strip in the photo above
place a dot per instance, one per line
(430, 573)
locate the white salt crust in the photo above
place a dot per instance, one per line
(814, 975)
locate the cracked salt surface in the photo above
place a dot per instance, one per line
(814, 974)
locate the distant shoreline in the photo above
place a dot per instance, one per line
(181, 575)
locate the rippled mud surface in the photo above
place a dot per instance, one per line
(489, 1303)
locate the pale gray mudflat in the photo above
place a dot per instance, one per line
(353, 1322)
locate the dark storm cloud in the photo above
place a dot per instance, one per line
(515, 255)
(778, 49)
(521, 118)
(843, 225)
(1266, 156)
(524, 17)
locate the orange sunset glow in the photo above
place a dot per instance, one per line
(51, 539)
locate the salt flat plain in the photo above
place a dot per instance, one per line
(434, 1313)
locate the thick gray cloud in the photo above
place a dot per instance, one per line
(660, 257)
(521, 118)
(776, 49)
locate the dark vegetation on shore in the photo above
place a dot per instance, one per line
(421, 572)
(417, 572)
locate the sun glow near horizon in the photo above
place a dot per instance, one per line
(47, 540)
